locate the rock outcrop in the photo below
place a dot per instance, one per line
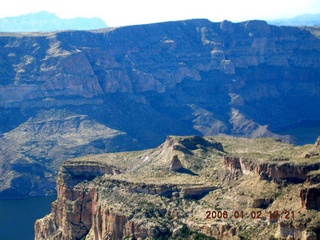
(289, 231)
(175, 163)
(81, 212)
(134, 195)
(237, 63)
(192, 77)
(292, 171)
(310, 197)
(314, 151)
(285, 170)
(83, 208)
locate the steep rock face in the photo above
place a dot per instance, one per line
(288, 231)
(136, 195)
(238, 67)
(86, 194)
(88, 213)
(310, 197)
(299, 172)
(175, 163)
(284, 170)
(190, 77)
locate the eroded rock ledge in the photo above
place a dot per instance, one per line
(80, 209)
(285, 170)
(90, 194)
(184, 77)
(135, 195)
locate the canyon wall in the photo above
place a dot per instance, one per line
(139, 84)
(89, 205)
(132, 195)
(79, 212)
(285, 170)
(245, 69)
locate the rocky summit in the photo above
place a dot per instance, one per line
(220, 188)
(73, 93)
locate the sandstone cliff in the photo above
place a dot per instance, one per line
(189, 77)
(286, 170)
(134, 195)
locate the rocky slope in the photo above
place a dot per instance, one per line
(151, 81)
(134, 195)
(217, 76)
(33, 152)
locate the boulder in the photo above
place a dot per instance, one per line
(175, 163)
(314, 151)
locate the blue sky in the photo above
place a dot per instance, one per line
(129, 12)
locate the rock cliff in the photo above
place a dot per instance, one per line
(132, 195)
(285, 170)
(192, 77)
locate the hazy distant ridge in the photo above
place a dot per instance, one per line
(44, 21)
(301, 20)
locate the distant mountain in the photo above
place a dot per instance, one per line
(44, 21)
(301, 20)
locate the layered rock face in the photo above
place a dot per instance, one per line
(81, 211)
(93, 203)
(135, 195)
(285, 170)
(190, 77)
(310, 197)
(310, 194)
(219, 76)
(88, 211)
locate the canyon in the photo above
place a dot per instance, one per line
(137, 195)
(67, 94)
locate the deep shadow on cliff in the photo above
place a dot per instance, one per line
(146, 82)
